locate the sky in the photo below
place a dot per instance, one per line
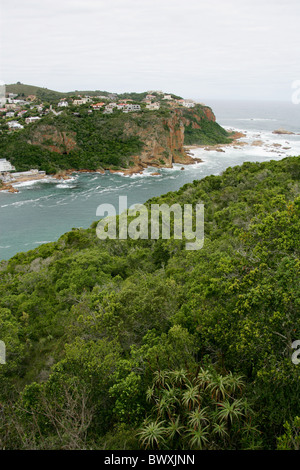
(212, 49)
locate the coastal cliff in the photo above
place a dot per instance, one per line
(128, 142)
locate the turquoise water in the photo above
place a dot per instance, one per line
(42, 211)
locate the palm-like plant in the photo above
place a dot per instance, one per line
(160, 377)
(250, 430)
(228, 412)
(218, 387)
(152, 434)
(150, 393)
(220, 430)
(178, 377)
(174, 428)
(167, 401)
(234, 383)
(204, 378)
(171, 394)
(198, 438)
(197, 417)
(163, 406)
(195, 410)
(191, 396)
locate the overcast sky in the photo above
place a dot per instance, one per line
(243, 49)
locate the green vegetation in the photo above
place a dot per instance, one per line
(48, 95)
(43, 94)
(97, 140)
(142, 344)
(206, 132)
(210, 133)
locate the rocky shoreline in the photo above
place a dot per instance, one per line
(22, 179)
(137, 168)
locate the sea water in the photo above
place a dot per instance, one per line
(45, 209)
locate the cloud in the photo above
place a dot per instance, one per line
(114, 45)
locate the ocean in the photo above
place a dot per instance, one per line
(43, 210)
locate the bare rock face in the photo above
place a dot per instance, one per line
(164, 140)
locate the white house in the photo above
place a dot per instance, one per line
(153, 106)
(131, 107)
(80, 102)
(20, 102)
(9, 114)
(15, 125)
(188, 104)
(63, 104)
(167, 97)
(108, 109)
(11, 97)
(32, 119)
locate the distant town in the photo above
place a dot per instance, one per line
(17, 111)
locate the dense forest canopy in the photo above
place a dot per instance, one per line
(142, 344)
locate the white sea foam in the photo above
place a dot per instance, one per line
(144, 174)
(255, 119)
(32, 182)
(65, 186)
(23, 184)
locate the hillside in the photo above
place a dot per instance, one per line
(142, 344)
(77, 139)
(23, 91)
(45, 94)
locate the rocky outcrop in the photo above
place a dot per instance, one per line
(164, 141)
(9, 188)
(282, 131)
